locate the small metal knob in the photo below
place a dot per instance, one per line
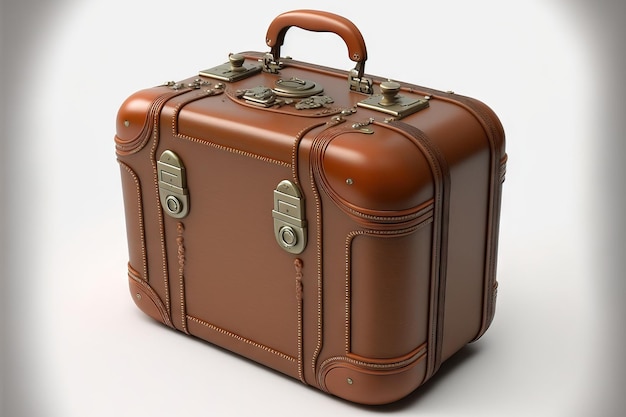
(288, 237)
(390, 90)
(236, 62)
(173, 204)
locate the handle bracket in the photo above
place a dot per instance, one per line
(358, 83)
(318, 21)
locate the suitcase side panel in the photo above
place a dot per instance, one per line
(486, 168)
(471, 138)
(380, 338)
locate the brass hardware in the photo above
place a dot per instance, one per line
(314, 102)
(357, 82)
(296, 88)
(172, 185)
(259, 96)
(391, 102)
(363, 127)
(198, 83)
(174, 85)
(234, 70)
(390, 90)
(269, 64)
(289, 222)
(236, 62)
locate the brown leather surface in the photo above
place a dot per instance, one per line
(399, 269)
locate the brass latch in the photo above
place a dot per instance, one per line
(172, 185)
(234, 70)
(289, 221)
(391, 102)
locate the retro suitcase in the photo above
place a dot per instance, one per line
(337, 227)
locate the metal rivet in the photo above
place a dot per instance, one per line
(349, 181)
(350, 381)
(126, 123)
(138, 296)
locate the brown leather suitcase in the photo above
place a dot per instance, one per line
(338, 227)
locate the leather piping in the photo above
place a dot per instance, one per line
(493, 216)
(163, 311)
(129, 147)
(381, 367)
(441, 174)
(142, 231)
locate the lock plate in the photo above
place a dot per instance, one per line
(172, 185)
(289, 220)
(391, 102)
(403, 106)
(234, 70)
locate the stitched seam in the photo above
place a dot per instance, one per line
(416, 357)
(242, 339)
(383, 218)
(294, 149)
(144, 258)
(180, 240)
(233, 150)
(298, 266)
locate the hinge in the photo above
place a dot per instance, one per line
(270, 64)
(358, 82)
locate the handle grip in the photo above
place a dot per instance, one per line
(318, 21)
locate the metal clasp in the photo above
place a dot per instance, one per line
(270, 64)
(289, 221)
(358, 82)
(173, 185)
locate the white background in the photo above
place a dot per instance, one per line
(74, 344)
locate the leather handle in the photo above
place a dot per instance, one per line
(317, 21)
